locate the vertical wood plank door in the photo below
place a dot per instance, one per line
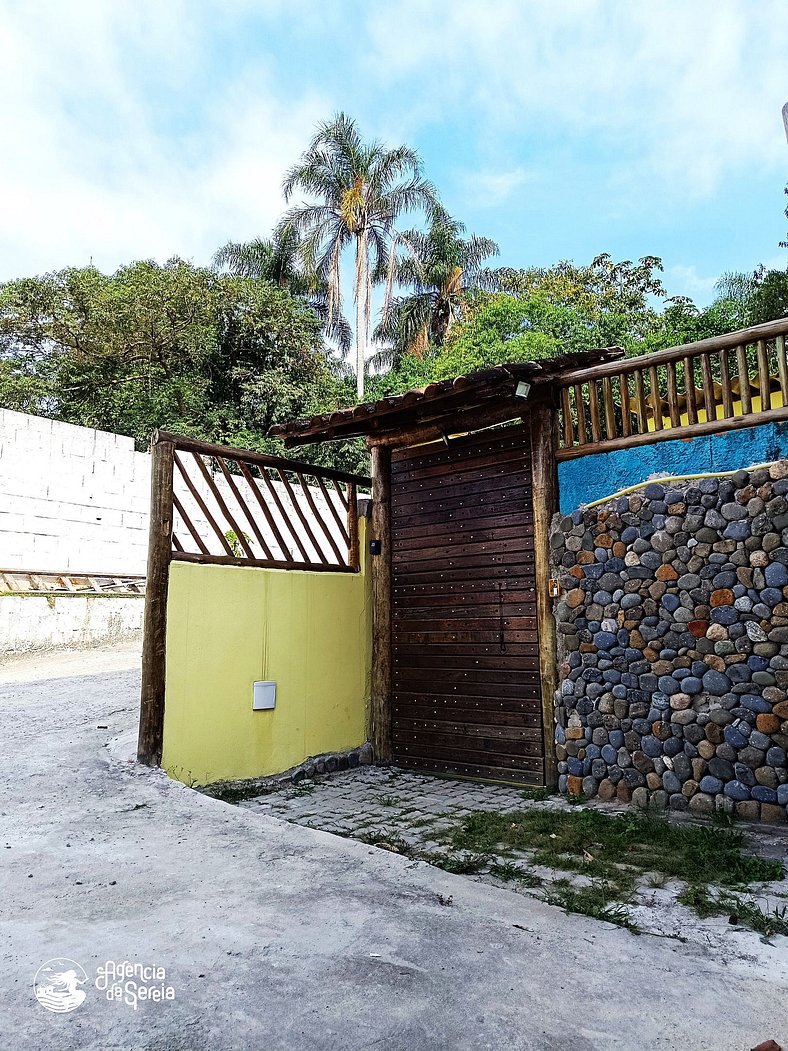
(466, 696)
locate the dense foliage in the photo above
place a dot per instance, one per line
(173, 346)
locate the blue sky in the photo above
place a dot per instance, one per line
(560, 128)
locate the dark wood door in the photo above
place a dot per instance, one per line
(466, 695)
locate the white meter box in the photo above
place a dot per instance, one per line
(263, 696)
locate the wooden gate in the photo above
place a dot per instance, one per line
(466, 696)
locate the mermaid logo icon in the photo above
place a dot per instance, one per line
(56, 982)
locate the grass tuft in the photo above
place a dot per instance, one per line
(740, 911)
(387, 840)
(617, 847)
(508, 871)
(598, 900)
(457, 863)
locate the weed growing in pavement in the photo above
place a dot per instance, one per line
(607, 845)
(458, 863)
(509, 870)
(741, 911)
(598, 900)
(387, 839)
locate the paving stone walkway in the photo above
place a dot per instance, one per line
(370, 801)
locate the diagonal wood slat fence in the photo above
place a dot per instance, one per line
(726, 382)
(235, 507)
(216, 505)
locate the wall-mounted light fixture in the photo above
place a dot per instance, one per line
(522, 390)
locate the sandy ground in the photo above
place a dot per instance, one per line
(277, 936)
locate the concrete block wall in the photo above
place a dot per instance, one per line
(71, 498)
(38, 623)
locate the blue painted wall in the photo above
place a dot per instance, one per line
(591, 478)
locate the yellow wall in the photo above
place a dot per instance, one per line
(738, 409)
(228, 626)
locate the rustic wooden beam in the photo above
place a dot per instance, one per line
(353, 543)
(745, 392)
(782, 368)
(255, 491)
(331, 504)
(258, 563)
(725, 382)
(660, 357)
(764, 379)
(610, 408)
(582, 428)
(154, 643)
(243, 506)
(690, 390)
(544, 442)
(260, 459)
(451, 426)
(626, 405)
(380, 707)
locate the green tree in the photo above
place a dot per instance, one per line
(278, 260)
(441, 269)
(555, 310)
(359, 190)
(179, 347)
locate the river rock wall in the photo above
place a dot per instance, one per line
(673, 646)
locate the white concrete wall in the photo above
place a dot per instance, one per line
(35, 623)
(71, 498)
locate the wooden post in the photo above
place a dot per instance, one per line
(380, 710)
(353, 554)
(151, 732)
(544, 440)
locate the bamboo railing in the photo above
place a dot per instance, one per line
(718, 384)
(235, 507)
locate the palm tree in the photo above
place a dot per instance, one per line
(359, 190)
(441, 268)
(275, 259)
(278, 260)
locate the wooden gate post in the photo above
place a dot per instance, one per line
(380, 708)
(543, 416)
(151, 731)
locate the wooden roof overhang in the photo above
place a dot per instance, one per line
(441, 409)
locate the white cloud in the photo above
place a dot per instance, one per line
(490, 189)
(686, 281)
(92, 171)
(679, 93)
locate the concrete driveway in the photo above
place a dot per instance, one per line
(276, 936)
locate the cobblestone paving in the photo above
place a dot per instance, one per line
(372, 800)
(415, 814)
